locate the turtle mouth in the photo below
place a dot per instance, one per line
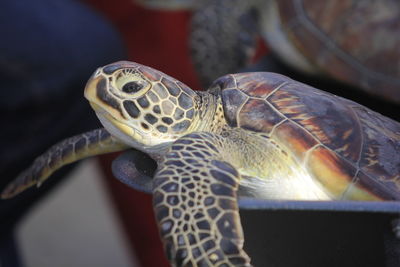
(105, 115)
(118, 129)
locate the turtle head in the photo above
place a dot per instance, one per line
(141, 106)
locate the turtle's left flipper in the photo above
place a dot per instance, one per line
(135, 169)
(195, 203)
(88, 144)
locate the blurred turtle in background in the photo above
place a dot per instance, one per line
(354, 42)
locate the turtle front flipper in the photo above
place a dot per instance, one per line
(135, 169)
(195, 202)
(81, 146)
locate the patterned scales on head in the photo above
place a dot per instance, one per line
(255, 134)
(158, 106)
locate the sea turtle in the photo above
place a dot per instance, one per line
(355, 42)
(272, 136)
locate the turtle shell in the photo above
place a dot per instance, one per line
(357, 42)
(351, 150)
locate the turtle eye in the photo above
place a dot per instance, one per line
(131, 87)
(130, 83)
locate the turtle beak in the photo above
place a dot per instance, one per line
(107, 108)
(91, 85)
(98, 96)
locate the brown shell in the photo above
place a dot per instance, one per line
(357, 42)
(353, 151)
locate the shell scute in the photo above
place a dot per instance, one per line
(261, 89)
(323, 115)
(233, 100)
(334, 173)
(257, 115)
(295, 138)
(366, 187)
(381, 151)
(225, 82)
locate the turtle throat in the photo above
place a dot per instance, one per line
(129, 136)
(210, 113)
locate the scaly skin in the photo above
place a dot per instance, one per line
(67, 151)
(195, 203)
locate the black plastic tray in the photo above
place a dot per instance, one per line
(300, 233)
